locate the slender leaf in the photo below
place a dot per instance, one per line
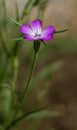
(4, 11)
(14, 21)
(17, 12)
(4, 62)
(27, 115)
(40, 15)
(25, 10)
(45, 44)
(43, 114)
(18, 39)
(6, 102)
(3, 44)
(61, 31)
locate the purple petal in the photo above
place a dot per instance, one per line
(30, 38)
(25, 29)
(47, 33)
(36, 26)
(46, 37)
(49, 30)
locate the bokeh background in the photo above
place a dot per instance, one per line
(55, 77)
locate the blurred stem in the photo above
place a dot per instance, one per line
(6, 33)
(36, 47)
(26, 115)
(5, 15)
(17, 12)
(25, 8)
(4, 6)
(28, 82)
(3, 44)
(26, 87)
(23, 94)
(15, 65)
(4, 68)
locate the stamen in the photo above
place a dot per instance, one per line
(37, 35)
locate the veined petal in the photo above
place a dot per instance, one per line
(25, 29)
(36, 26)
(30, 38)
(49, 30)
(47, 33)
(46, 37)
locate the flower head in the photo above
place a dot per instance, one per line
(34, 31)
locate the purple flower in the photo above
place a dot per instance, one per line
(34, 31)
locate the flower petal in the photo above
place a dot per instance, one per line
(49, 30)
(47, 33)
(36, 26)
(46, 37)
(30, 38)
(25, 29)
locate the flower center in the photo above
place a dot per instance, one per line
(37, 35)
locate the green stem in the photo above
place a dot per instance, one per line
(3, 44)
(28, 82)
(15, 65)
(26, 87)
(25, 8)
(26, 115)
(36, 47)
(24, 92)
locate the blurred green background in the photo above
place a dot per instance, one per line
(55, 77)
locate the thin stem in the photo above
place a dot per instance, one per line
(4, 68)
(25, 8)
(28, 82)
(15, 65)
(6, 22)
(24, 91)
(26, 115)
(3, 44)
(26, 87)
(36, 48)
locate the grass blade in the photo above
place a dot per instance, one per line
(14, 21)
(45, 44)
(26, 8)
(18, 39)
(17, 12)
(27, 115)
(61, 31)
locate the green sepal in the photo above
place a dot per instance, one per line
(36, 46)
